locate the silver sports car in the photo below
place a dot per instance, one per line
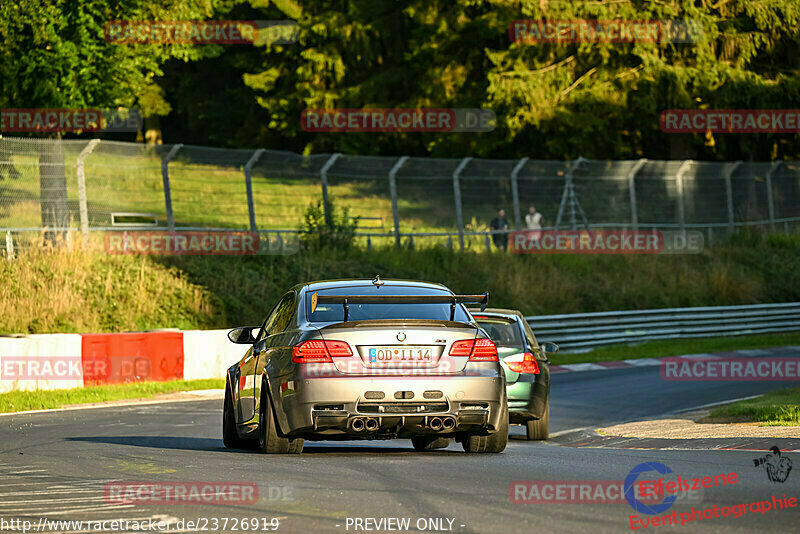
(367, 359)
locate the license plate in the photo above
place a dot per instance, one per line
(381, 355)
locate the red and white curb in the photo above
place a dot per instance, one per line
(65, 361)
(648, 362)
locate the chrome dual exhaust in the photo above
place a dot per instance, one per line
(359, 424)
(442, 423)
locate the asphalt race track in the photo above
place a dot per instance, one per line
(56, 465)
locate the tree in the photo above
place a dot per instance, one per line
(552, 100)
(53, 54)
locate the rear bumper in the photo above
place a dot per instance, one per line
(526, 401)
(400, 406)
(521, 401)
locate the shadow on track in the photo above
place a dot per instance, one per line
(216, 445)
(161, 442)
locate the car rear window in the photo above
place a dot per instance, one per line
(329, 313)
(502, 332)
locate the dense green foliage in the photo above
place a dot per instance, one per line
(598, 100)
(338, 232)
(53, 54)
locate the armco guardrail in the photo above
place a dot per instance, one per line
(587, 330)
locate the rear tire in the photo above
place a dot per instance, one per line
(429, 443)
(539, 429)
(296, 446)
(492, 443)
(268, 439)
(230, 437)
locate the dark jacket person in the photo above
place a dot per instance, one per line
(499, 223)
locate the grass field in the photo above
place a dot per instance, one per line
(208, 189)
(677, 347)
(776, 408)
(90, 291)
(19, 401)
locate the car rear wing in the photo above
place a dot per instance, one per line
(453, 300)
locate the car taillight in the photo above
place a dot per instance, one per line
(320, 351)
(528, 365)
(478, 350)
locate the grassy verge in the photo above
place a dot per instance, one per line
(660, 349)
(90, 291)
(19, 401)
(776, 408)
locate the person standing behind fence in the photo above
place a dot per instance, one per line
(533, 219)
(499, 224)
(533, 222)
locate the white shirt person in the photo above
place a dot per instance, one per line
(533, 219)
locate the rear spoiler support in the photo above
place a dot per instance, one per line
(453, 300)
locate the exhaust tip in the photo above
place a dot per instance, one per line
(357, 424)
(435, 423)
(448, 423)
(371, 424)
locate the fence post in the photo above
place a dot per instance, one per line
(632, 192)
(679, 185)
(9, 246)
(515, 192)
(457, 196)
(248, 167)
(165, 178)
(568, 195)
(393, 194)
(79, 171)
(770, 200)
(729, 194)
(323, 175)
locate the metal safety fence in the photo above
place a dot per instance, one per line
(584, 331)
(95, 185)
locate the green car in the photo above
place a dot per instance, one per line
(526, 366)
